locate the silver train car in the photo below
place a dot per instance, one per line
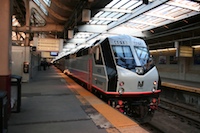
(120, 70)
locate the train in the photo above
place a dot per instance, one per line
(120, 70)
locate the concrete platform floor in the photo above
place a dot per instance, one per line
(48, 106)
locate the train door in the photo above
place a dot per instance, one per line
(89, 85)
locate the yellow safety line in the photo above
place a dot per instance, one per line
(122, 123)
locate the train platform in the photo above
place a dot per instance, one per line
(54, 103)
(181, 85)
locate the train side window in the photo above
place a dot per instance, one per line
(85, 51)
(97, 56)
(67, 57)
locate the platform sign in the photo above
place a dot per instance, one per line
(185, 51)
(48, 44)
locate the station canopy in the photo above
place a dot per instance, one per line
(133, 17)
(139, 18)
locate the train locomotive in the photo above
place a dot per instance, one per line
(121, 71)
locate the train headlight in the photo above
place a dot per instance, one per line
(154, 86)
(139, 70)
(121, 83)
(154, 83)
(121, 90)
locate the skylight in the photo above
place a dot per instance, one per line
(41, 6)
(169, 12)
(114, 11)
(47, 2)
(15, 21)
(36, 19)
(132, 16)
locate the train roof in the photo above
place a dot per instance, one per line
(123, 40)
(126, 40)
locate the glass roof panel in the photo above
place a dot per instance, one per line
(36, 19)
(93, 21)
(106, 22)
(188, 4)
(37, 2)
(15, 21)
(98, 14)
(120, 4)
(137, 3)
(168, 12)
(111, 4)
(118, 15)
(129, 4)
(43, 9)
(100, 22)
(47, 2)
(41, 6)
(171, 11)
(112, 14)
(105, 14)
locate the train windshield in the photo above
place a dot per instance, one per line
(143, 54)
(146, 62)
(124, 56)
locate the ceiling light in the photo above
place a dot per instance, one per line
(196, 46)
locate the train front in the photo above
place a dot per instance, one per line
(138, 82)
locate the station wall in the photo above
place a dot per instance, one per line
(19, 56)
(181, 68)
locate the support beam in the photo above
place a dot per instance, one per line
(54, 14)
(46, 28)
(126, 30)
(92, 28)
(77, 41)
(60, 5)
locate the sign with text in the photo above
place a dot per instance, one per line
(48, 44)
(185, 51)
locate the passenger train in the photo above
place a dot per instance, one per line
(121, 71)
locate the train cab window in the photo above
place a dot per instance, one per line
(97, 56)
(143, 54)
(124, 56)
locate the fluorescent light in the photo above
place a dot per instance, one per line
(162, 50)
(196, 46)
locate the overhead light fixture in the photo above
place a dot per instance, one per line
(166, 26)
(152, 31)
(163, 50)
(70, 34)
(86, 15)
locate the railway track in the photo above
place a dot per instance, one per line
(173, 117)
(180, 113)
(184, 113)
(152, 128)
